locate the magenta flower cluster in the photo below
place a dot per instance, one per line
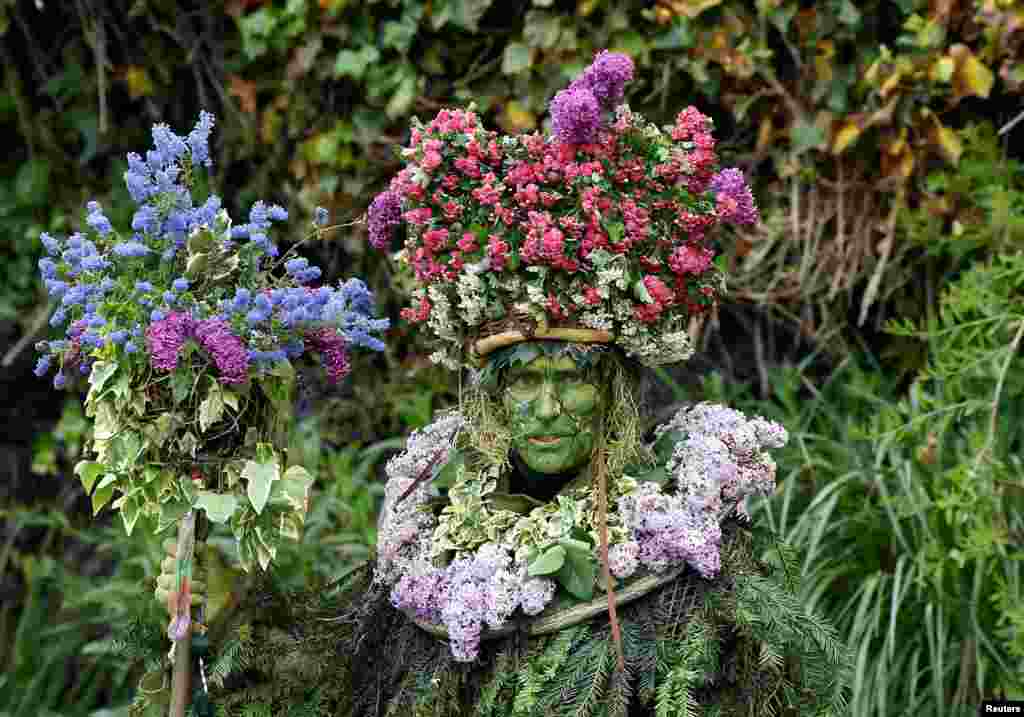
(384, 217)
(166, 337)
(333, 354)
(575, 116)
(734, 201)
(576, 111)
(227, 350)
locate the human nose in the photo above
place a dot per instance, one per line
(547, 403)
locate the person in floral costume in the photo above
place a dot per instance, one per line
(538, 551)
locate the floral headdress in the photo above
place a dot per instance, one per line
(597, 233)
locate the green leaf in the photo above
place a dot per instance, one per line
(467, 13)
(294, 487)
(188, 444)
(353, 63)
(212, 408)
(171, 513)
(444, 474)
(402, 98)
(101, 373)
(579, 571)
(849, 14)
(550, 561)
(181, 385)
(219, 507)
(105, 425)
(88, 472)
(515, 58)
(678, 37)
(103, 493)
(542, 29)
(259, 477)
(806, 136)
(230, 398)
(665, 446)
(130, 512)
(125, 448)
(196, 265)
(32, 183)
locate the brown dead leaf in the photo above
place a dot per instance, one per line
(245, 91)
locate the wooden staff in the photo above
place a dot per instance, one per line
(180, 629)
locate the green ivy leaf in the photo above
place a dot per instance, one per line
(542, 29)
(578, 572)
(259, 476)
(88, 472)
(444, 474)
(101, 373)
(181, 385)
(219, 507)
(515, 58)
(32, 183)
(103, 493)
(805, 136)
(130, 512)
(212, 408)
(467, 13)
(402, 98)
(549, 562)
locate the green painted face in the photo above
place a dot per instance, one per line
(554, 412)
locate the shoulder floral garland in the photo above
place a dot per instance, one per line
(714, 458)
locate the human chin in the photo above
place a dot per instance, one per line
(553, 455)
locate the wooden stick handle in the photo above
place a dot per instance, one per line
(180, 629)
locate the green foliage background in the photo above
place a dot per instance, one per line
(876, 309)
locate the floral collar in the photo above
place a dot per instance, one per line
(478, 561)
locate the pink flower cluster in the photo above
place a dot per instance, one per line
(474, 201)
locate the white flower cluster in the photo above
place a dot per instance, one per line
(403, 530)
(722, 459)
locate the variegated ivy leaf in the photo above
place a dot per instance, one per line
(104, 492)
(259, 476)
(188, 444)
(88, 472)
(105, 425)
(219, 507)
(295, 488)
(125, 449)
(230, 398)
(212, 408)
(101, 373)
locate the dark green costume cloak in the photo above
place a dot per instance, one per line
(740, 644)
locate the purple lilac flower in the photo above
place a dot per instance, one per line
(384, 217)
(94, 262)
(206, 214)
(733, 199)
(180, 284)
(58, 318)
(277, 213)
(143, 287)
(165, 337)
(131, 348)
(606, 77)
(227, 350)
(60, 380)
(119, 337)
(331, 346)
(321, 217)
(199, 140)
(575, 116)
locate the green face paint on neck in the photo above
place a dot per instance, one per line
(555, 412)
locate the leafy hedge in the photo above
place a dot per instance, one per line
(870, 129)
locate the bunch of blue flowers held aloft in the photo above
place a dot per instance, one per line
(188, 328)
(185, 271)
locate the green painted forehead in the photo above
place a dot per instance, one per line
(582, 356)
